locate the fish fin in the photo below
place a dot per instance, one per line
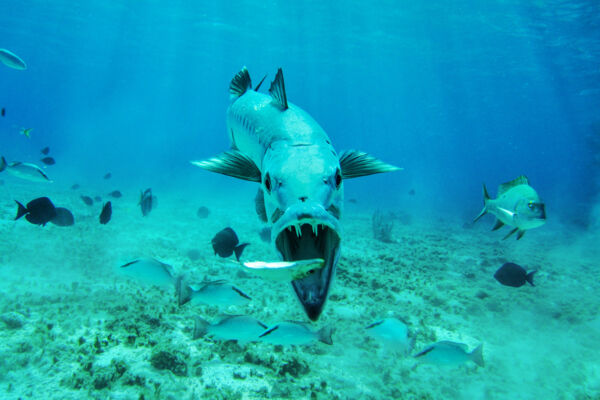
(277, 91)
(486, 197)
(43, 174)
(477, 355)
(529, 277)
(325, 335)
(242, 294)
(239, 249)
(184, 291)
(129, 263)
(3, 164)
(521, 180)
(200, 327)
(268, 331)
(232, 163)
(520, 234)
(499, 224)
(240, 83)
(21, 210)
(259, 205)
(510, 233)
(356, 163)
(260, 83)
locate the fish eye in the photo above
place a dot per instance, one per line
(338, 179)
(268, 183)
(530, 204)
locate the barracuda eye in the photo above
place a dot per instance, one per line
(268, 183)
(338, 179)
(530, 205)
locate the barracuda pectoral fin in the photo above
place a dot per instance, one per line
(499, 224)
(259, 205)
(356, 163)
(232, 163)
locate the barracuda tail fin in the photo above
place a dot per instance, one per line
(356, 163)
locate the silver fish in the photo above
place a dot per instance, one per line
(296, 333)
(27, 171)
(242, 328)
(150, 271)
(280, 146)
(12, 60)
(283, 270)
(448, 353)
(517, 204)
(393, 334)
(216, 293)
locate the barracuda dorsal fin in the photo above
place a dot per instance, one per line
(232, 163)
(521, 180)
(240, 83)
(277, 91)
(356, 163)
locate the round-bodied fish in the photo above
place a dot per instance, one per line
(27, 171)
(150, 271)
(393, 334)
(215, 293)
(296, 333)
(242, 328)
(450, 354)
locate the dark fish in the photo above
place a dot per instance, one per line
(46, 150)
(48, 161)
(87, 200)
(411, 192)
(63, 217)
(265, 234)
(39, 211)
(146, 201)
(225, 243)
(513, 275)
(203, 212)
(353, 201)
(108, 175)
(106, 213)
(3, 112)
(75, 186)
(97, 199)
(116, 194)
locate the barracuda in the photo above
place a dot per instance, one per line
(280, 146)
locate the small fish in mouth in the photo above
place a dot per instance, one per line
(284, 270)
(282, 148)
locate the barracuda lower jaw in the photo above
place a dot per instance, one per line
(306, 240)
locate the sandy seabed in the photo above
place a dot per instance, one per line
(71, 327)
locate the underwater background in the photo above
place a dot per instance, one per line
(458, 93)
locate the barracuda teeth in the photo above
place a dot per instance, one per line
(298, 230)
(315, 229)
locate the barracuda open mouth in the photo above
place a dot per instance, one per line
(309, 239)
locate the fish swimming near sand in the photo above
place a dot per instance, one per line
(393, 334)
(75, 186)
(48, 160)
(215, 293)
(296, 333)
(150, 271)
(38, 211)
(280, 146)
(87, 200)
(106, 213)
(27, 171)
(226, 242)
(241, 328)
(517, 204)
(63, 217)
(108, 175)
(514, 275)
(12, 60)
(446, 353)
(203, 212)
(116, 194)
(45, 150)
(146, 201)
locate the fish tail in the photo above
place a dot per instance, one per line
(529, 277)
(239, 249)
(183, 291)
(486, 197)
(200, 327)
(477, 355)
(3, 164)
(22, 210)
(325, 335)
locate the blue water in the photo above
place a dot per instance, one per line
(457, 93)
